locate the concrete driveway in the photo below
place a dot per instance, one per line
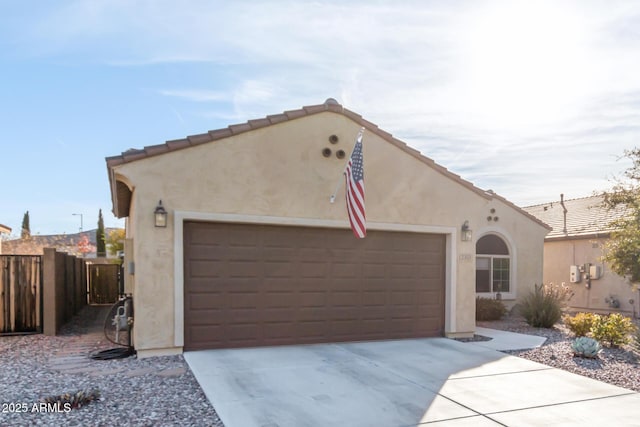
(401, 383)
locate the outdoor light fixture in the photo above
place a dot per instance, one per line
(465, 234)
(160, 215)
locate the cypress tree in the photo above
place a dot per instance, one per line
(26, 229)
(101, 248)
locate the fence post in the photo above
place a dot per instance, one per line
(49, 306)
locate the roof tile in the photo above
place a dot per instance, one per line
(239, 128)
(586, 216)
(277, 118)
(177, 144)
(199, 139)
(220, 133)
(153, 150)
(259, 123)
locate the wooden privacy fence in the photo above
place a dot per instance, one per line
(64, 290)
(40, 293)
(20, 293)
(103, 283)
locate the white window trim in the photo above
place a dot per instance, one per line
(513, 266)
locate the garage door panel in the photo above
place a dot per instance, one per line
(205, 301)
(253, 285)
(312, 269)
(312, 298)
(345, 270)
(312, 314)
(278, 269)
(374, 298)
(278, 315)
(377, 312)
(207, 335)
(208, 317)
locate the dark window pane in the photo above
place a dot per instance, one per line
(483, 274)
(482, 281)
(491, 245)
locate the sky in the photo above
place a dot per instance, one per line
(527, 98)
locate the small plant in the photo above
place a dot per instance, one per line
(489, 309)
(542, 308)
(75, 400)
(613, 329)
(580, 324)
(586, 347)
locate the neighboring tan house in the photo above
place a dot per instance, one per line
(573, 255)
(3, 230)
(253, 253)
(82, 244)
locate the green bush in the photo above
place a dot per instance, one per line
(635, 340)
(613, 329)
(489, 309)
(542, 308)
(580, 324)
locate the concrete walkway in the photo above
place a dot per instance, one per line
(403, 383)
(503, 340)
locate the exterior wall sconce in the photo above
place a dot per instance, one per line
(160, 215)
(465, 232)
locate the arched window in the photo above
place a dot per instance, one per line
(493, 265)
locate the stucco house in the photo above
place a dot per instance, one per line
(248, 249)
(3, 230)
(573, 255)
(82, 244)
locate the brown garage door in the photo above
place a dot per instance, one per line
(259, 285)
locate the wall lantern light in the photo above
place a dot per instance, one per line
(160, 215)
(466, 233)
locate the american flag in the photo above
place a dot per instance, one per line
(354, 175)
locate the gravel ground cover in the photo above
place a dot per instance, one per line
(617, 366)
(163, 392)
(158, 391)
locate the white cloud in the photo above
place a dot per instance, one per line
(524, 94)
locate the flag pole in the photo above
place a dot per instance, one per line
(333, 195)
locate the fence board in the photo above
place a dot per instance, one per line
(20, 293)
(103, 283)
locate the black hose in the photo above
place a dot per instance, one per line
(119, 352)
(113, 353)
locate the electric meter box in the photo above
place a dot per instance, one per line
(595, 272)
(574, 274)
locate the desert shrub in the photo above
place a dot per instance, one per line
(635, 340)
(613, 329)
(542, 307)
(580, 324)
(586, 347)
(489, 309)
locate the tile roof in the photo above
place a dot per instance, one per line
(121, 194)
(586, 217)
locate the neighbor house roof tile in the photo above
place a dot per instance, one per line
(586, 217)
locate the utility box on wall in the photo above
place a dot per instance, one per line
(574, 274)
(594, 272)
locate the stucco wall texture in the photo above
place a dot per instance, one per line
(560, 254)
(279, 172)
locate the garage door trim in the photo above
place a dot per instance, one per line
(180, 217)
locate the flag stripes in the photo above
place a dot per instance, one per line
(354, 175)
